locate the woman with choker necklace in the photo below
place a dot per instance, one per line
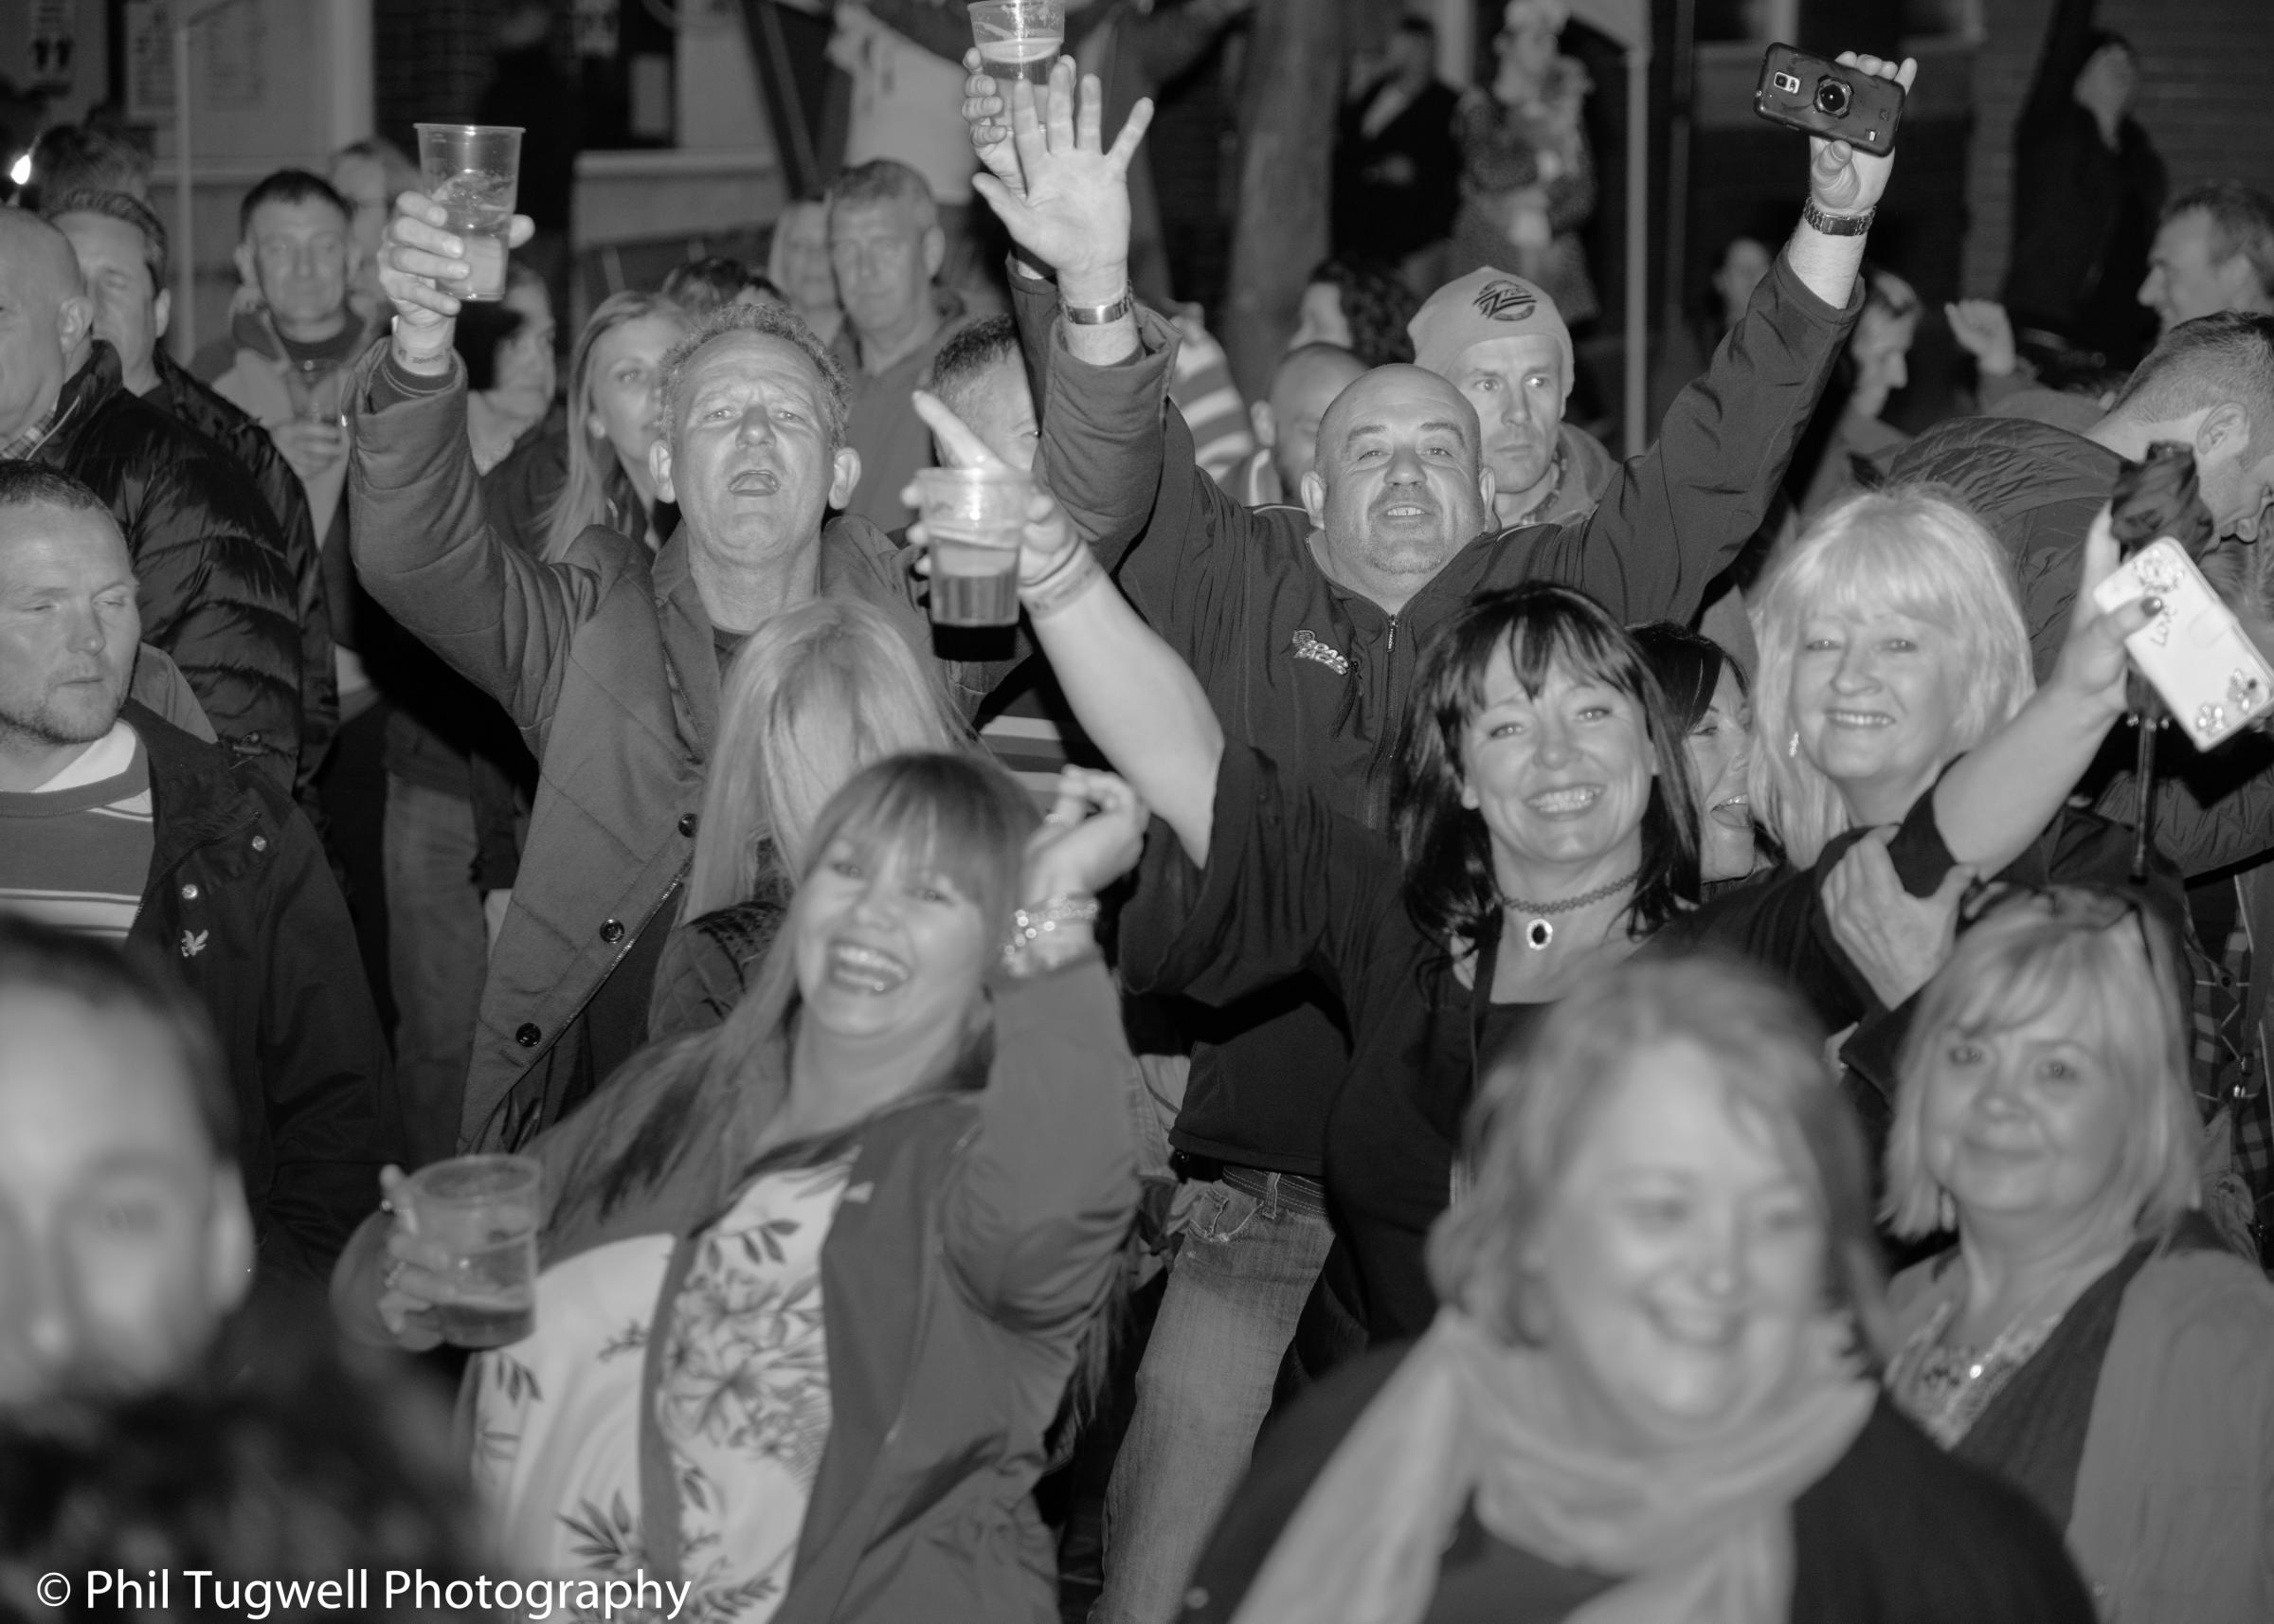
(1545, 829)
(2088, 1337)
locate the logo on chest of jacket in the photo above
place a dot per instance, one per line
(1310, 647)
(193, 943)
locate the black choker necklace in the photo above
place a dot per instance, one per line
(1539, 934)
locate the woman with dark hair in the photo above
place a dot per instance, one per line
(1363, 309)
(1709, 699)
(813, 1281)
(1545, 829)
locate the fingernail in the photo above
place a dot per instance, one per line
(2152, 605)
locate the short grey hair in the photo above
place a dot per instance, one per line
(885, 180)
(770, 321)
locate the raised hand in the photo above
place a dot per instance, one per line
(1985, 332)
(988, 116)
(1073, 214)
(1841, 179)
(2092, 662)
(419, 263)
(1094, 836)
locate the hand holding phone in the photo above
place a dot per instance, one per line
(1833, 101)
(2195, 651)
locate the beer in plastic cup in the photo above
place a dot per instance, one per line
(473, 172)
(975, 517)
(473, 1223)
(1019, 39)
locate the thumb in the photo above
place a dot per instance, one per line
(1955, 883)
(1007, 206)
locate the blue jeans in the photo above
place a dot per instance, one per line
(1252, 1250)
(438, 955)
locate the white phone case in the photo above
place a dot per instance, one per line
(2195, 652)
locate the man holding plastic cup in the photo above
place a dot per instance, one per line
(608, 659)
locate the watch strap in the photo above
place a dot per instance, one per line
(1838, 225)
(1099, 314)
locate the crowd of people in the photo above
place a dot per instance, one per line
(1451, 1027)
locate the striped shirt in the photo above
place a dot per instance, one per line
(75, 853)
(1027, 726)
(1203, 388)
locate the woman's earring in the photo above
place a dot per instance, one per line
(1946, 1210)
(1792, 746)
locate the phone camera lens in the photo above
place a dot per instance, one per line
(1832, 96)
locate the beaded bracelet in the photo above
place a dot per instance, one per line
(1061, 583)
(1027, 928)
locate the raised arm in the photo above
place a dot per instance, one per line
(1680, 512)
(1996, 800)
(422, 542)
(1137, 701)
(1043, 1195)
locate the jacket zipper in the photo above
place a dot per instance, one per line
(1375, 802)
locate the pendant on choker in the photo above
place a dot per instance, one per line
(1538, 934)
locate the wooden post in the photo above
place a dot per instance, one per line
(1294, 82)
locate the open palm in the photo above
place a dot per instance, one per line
(1075, 213)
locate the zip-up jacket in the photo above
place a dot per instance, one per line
(1319, 675)
(242, 902)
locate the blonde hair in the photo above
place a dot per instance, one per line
(585, 498)
(1915, 551)
(1535, 1109)
(816, 695)
(2109, 971)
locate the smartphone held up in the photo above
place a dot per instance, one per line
(1820, 97)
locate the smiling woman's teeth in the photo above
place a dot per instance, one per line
(865, 969)
(1858, 720)
(1578, 797)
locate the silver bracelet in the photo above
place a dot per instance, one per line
(1099, 314)
(1028, 928)
(1061, 583)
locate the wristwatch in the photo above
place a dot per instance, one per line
(1099, 314)
(1838, 225)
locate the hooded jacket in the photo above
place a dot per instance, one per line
(242, 902)
(216, 587)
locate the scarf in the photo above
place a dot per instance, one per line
(1701, 1534)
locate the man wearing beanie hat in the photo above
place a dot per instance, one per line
(1303, 627)
(1501, 341)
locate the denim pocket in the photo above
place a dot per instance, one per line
(1222, 1213)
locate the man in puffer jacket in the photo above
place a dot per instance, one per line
(216, 591)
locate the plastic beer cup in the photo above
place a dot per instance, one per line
(1019, 39)
(473, 171)
(976, 518)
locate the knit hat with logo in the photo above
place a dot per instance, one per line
(1479, 307)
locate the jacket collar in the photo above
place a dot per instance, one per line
(690, 651)
(853, 562)
(194, 801)
(84, 393)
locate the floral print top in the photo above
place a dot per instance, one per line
(743, 1402)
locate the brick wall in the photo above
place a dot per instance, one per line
(2205, 97)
